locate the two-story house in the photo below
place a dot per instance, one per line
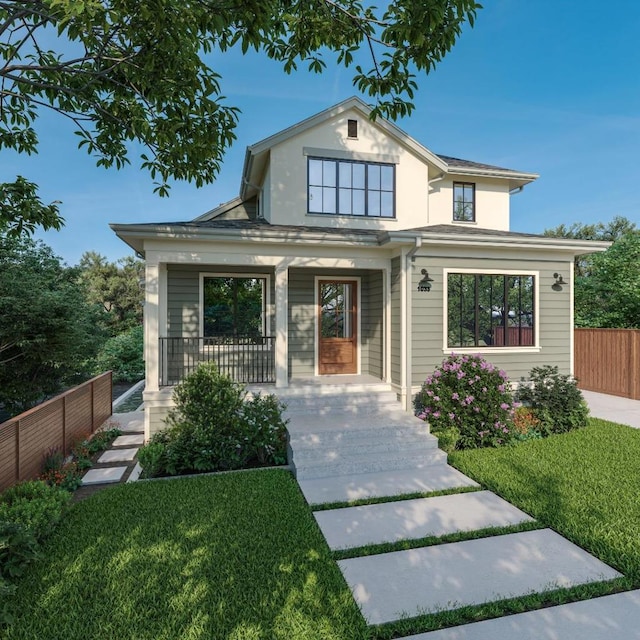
(352, 253)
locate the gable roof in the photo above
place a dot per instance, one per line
(256, 155)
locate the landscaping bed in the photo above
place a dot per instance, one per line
(583, 484)
(235, 556)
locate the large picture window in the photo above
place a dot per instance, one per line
(490, 310)
(351, 188)
(233, 306)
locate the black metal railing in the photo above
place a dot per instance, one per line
(249, 359)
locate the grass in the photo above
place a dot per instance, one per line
(584, 484)
(237, 556)
(240, 557)
(430, 541)
(326, 506)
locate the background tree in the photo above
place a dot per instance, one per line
(115, 287)
(607, 284)
(48, 332)
(126, 71)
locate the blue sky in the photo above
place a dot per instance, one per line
(544, 86)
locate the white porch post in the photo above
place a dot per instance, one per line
(282, 321)
(151, 325)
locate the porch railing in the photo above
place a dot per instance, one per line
(248, 359)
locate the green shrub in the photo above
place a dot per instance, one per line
(153, 457)
(215, 427)
(448, 438)
(555, 400)
(18, 548)
(35, 506)
(123, 354)
(469, 394)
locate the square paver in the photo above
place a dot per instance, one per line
(129, 441)
(411, 519)
(447, 576)
(103, 476)
(117, 455)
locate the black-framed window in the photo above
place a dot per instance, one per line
(233, 306)
(351, 188)
(489, 310)
(464, 202)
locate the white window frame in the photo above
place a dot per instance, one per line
(266, 314)
(536, 348)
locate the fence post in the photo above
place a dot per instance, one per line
(634, 368)
(17, 450)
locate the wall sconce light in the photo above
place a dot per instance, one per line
(558, 284)
(425, 283)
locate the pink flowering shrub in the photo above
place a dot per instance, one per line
(469, 395)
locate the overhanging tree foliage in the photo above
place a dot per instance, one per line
(116, 288)
(125, 71)
(607, 284)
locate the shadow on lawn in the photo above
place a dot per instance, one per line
(235, 557)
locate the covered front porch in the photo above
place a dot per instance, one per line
(279, 326)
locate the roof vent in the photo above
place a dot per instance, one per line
(352, 128)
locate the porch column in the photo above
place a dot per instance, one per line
(282, 321)
(155, 320)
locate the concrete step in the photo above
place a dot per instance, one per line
(614, 617)
(390, 586)
(357, 448)
(343, 401)
(419, 518)
(369, 463)
(383, 484)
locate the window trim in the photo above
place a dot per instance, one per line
(535, 348)
(266, 306)
(473, 203)
(366, 163)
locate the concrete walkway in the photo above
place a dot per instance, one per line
(407, 583)
(613, 408)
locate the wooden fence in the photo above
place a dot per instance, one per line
(608, 361)
(56, 423)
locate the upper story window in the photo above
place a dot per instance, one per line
(351, 188)
(464, 202)
(490, 310)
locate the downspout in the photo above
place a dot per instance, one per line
(407, 344)
(429, 183)
(512, 192)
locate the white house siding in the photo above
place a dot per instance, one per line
(303, 316)
(553, 315)
(492, 202)
(288, 175)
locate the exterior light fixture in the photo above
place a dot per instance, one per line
(558, 284)
(425, 283)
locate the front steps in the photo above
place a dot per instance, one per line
(345, 431)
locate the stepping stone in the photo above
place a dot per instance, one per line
(408, 583)
(117, 455)
(383, 483)
(615, 617)
(130, 422)
(103, 476)
(128, 441)
(410, 519)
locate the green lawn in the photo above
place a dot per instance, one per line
(584, 484)
(236, 556)
(239, 556)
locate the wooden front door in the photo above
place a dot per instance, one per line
(337, 327)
